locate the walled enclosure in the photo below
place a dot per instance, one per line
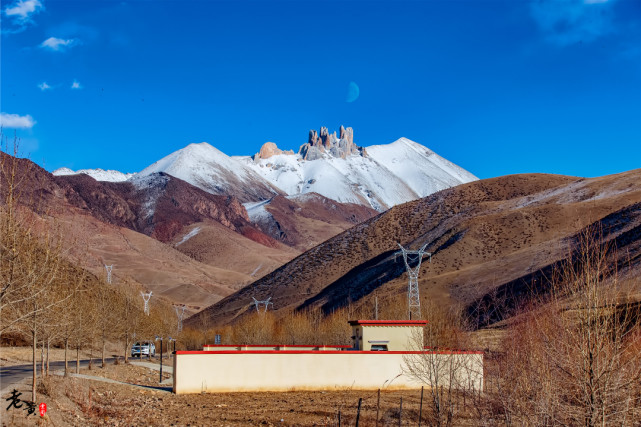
(227, 371)
(285, 368)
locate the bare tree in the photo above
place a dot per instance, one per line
(445, 372)
(255, 328)
(572, 358)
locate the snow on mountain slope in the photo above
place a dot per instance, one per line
(97, 174)
(257, 212)
(388, 175)
(379, 176)
(211, 170)
(419, 167)
(350, 180)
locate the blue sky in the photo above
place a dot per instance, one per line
(498, 87)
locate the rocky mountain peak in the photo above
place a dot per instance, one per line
(269, 149)
(324, 143)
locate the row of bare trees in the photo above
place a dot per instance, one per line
(306, 327)
(46, 299)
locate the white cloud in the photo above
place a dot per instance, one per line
(76, 85)
(15, 121)
(23, 9)
(56, 44)
(20, 15)
(566, 22)
(44, 86)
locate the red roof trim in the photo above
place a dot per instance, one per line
(324, 352)
(389, 322)
(276, 345)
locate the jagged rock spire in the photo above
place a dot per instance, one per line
(328, 144)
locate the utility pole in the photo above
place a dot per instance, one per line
(160, 338)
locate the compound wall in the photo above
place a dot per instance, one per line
(231, 371)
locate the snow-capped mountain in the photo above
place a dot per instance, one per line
(97, 174)
(209, 169)
(378, 176)
(419, 167)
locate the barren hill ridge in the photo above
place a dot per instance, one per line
(488, 236)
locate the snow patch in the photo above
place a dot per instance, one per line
(257, 212)
(97, 174)
(579, 191)
(256, 270)
(188, 236)
(609, 192)
(153, 185)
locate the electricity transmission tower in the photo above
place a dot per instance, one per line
(413, 298)
(266, 303)
(109, 268)
(146, 298)
(180, 315)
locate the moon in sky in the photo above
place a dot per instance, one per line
(352, 92)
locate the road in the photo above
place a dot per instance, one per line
(10, 375)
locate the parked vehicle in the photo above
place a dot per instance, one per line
(140, 349)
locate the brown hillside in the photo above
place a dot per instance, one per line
(306, 220)
(487, 236)
(139, 228)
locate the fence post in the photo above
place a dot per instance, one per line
(378, 405)
(420, 409)
(400, 413)
(358, 411)
(339, 418)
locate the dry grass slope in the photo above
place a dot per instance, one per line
(486, 236)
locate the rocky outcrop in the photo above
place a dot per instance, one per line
(347, 134)
(270, 149)
(323, 144)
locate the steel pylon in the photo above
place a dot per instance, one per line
(413, 296)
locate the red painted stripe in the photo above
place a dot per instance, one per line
(388, 322)
(275, 345)
(323, 352)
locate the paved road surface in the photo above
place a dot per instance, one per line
(10, 375)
